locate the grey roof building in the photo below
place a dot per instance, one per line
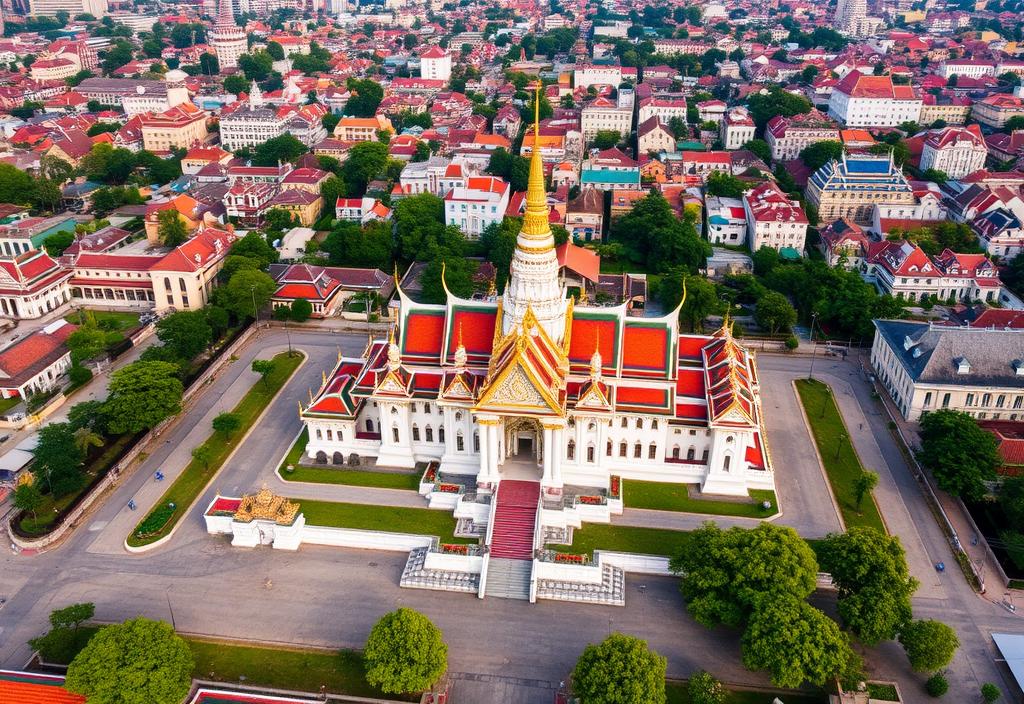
(927, 367)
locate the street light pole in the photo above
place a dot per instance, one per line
(814, 347)
(255, 311)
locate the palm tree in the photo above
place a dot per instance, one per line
(86, 438)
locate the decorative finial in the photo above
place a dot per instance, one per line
(460, 351)
(595, 359)
(394, 354)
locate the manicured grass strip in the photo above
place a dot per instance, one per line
(661, 496)
(883, 692)
(842, 465)
(676, 694)
(341, 672)
(7, 404)
(394, 519)
(195, 477)
(354, 477)
(646, 541)
(341, 475)
(123, 320)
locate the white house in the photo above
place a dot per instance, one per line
(481, 202)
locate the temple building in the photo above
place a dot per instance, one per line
(533, 387)
(227, 38)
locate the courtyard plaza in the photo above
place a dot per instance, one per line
(498, 647)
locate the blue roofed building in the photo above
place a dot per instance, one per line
(852, 187)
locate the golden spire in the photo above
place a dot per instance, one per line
(535, 220)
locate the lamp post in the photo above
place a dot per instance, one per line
(842, 437)
(255, 310)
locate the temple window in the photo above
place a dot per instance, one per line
(691, 453)
(430, 434)
(415, 432)
(637, 451)
(639, 423)
(727, 462)
(572, 423)
(652, 451)
(440, 434)
(412, 407)
(591, 427)
(654, 424)
(330, 435)
(609, 450)
(570, 451)
(590, 453)
(319, 435)
(622, 449)
(394, 433)
(460, 443)
(675, 452)
(476, 442)
(624, 423)
(458, 417)
(369, 425)
(394, 411)
(704, 457)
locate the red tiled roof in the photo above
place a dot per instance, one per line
(35, 688)
(423, 334)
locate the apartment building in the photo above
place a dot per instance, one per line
(861, 100)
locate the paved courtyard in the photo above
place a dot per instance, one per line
(331, 597)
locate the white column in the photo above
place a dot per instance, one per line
(485, 450)
(492, 457)
(547, 450)
(554, 451)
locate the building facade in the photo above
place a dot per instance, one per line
(861, 100)
(852, 187)
(788, 136)
(956, 151)
(773, 220)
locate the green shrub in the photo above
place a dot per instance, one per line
(792, 342)
(156, 520)
(79, 375)
(990, 693)
(936, 685)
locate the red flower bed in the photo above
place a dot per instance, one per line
(592, 500)
(571, 559)
(451, 549)
(615, 487)
(449, 488)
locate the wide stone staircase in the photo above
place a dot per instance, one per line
(511, 548)
(508, 579)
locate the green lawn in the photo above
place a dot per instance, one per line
(674, 497)
(343, 672)
(842, 465)
(195, 477)
(342, 475)
(882, 692)
(123, 319)
(47, 513)
(676, 692)
(646, 541)
(394, 519)
(7, 404)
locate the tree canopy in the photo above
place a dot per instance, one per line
(247, 292)
(141, 395)
(726, 573)
(658, 240)
(58, 459)
(405, 653)
(620, 670)
(136, 662)
(185, 332)
(776, 102)
(367, 95)
(930, 645)
(870, 571)
(960, 455)
(366, 161)
(818, 154)
(278, 150)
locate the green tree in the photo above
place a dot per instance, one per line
(656, 238)
(227, 423)
(263, 367)
(818, 154)
(278, 150)
(58, 460)
(73, 616)
(247, 292)
(935, 175)
(960, 455)
(869, 569)
(209, 64)
(774, 312)
(606, 139)
(761, 148)
(256, 248)
(203, 454)
(349, 245)
(257, 66)
(171, 228)
(185, 332)
(141, 395)
(366, 161)
(865, 483)
(511, 167)
(930, 645)
(28, 498)
(725, 574)
(776, 102)
(702, 688)
(936, 686)
(725, 185)
(1011, 499)
(136, 662)
(301, 309)
(56, 243)
(87, 437)
(275, 50)
(405, 653)
(619, 670)
(701, 298)
(62, 642)
(15, 184)
(367, 95)
(236, 84)
(795, 642)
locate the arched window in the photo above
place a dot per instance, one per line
(729, 439)
(460, 443)
(458, 417)
(622, 449)
(330, 435)
(369, 425)
(394, 433)
(430, 434)
(675, 452)
(727, 462)
(637, 451)
(609, 449)
(415, 432)
(338, 458)
(440, 434)
(624, 423)
(570, 451)
(652, 451)
(691, 453)
(654, 424)
(394, 411)
(340, 436)
(572, 423)
(476, 442)
(591, 427)
(412, 407)
(639, 423)
(319, 435)
(590, 452)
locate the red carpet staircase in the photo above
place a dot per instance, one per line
(511, 548)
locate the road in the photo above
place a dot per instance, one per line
(332, 597)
